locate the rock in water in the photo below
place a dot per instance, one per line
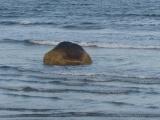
(67, 53)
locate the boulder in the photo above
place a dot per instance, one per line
(67, 53)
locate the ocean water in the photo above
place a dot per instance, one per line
(123, 39)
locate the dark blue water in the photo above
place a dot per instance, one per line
(123, 39)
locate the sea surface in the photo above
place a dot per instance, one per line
(123, 39)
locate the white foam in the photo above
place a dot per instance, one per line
(43, 42)
(99, 45)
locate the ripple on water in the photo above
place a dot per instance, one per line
(86, 114)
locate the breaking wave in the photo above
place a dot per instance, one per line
(84, 44)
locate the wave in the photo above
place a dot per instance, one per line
(85, 114)
(84, 44)
(97, 45)
(18, 69)
(65, 75)
(26, 109)
(132, 15)
(60, 78)
(77, 26)
(31, 96)
(102, 92)
(26, 23)
(84, 26)
(7, 67)
(120, 103)
(82, 80)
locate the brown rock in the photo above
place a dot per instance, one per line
(67, 53)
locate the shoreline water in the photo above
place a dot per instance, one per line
(122, 39)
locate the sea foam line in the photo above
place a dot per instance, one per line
(98, 45)
(84, 44)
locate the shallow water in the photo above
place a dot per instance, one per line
(122, 38)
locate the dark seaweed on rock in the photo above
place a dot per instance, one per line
(72, 50)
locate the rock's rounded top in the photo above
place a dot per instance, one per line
(71, 50)
(67, 53)
(68, 45)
